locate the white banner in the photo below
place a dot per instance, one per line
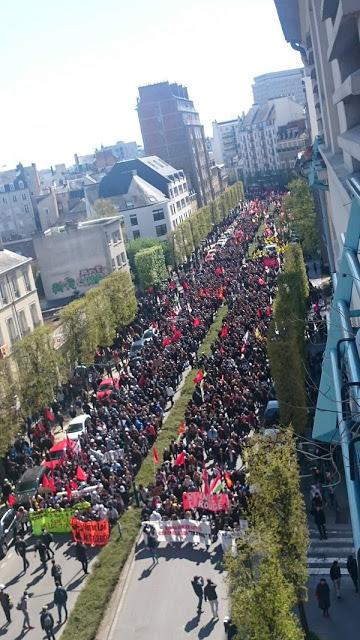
(180, 530)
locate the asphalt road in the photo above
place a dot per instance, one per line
(39, 586)
(344, 614)
(158, 602)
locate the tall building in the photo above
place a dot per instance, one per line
(326, 34)
(288, 83)
(171, 130)
(152, 196)
(271, 136)
(225, 142)
(17, 215)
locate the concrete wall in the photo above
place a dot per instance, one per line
(16, 214)
(48, 211)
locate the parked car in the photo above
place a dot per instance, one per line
(8, 529)
(136, 349)
(29, 485)
(77, 426)
(271, 414)
(107, 387)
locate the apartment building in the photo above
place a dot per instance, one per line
(17, 215)
(171, 129)
(226, 143)
(20, 309)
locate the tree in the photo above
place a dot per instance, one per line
(300, 213)
(105, 208)
(79, 342)
(119, 289)
(9, 410)
(150, 267)
(100, 317)
(138, 245)
(39, 366)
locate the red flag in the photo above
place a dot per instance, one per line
(155, 456)
(182, 428)
(68, 492)
(224, 332)
(258, 313)
(196, 322)
(81, 475)
(172, 285)
(206, 481)
(199, 376)
(228, 480)
(166, 342)
(73, 485)
(180, 459)
(11, 500)
(45, 481)
(221, 293)
(177, 335)
(48, 483)
(218, 271)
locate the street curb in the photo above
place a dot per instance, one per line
(113, 608)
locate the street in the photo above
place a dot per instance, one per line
(158, 601)
(40, 587)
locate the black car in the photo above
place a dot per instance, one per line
(8, 529)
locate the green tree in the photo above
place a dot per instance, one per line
(105, 208)
(9, 410)
(119, 289)
(138, 245)
(150, 267)
(38, 365)
(100, 317)
(79, 341)
(300, 213)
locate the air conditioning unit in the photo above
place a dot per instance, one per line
(4, 351)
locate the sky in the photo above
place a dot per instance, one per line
(70, 69)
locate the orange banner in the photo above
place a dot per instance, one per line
(90, 532)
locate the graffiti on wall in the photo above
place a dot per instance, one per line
(86, 277)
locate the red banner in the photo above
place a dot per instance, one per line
(198, 500)
(90, 532)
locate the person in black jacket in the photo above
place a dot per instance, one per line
(81, 555)
(210, 594)
(353, 571)
(320, 521)
(20, 550)
(335, 575)
(60, 599)
(47, 623)
(323, 596)
(197, 584)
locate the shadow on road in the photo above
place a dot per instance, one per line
(192, 624)
(179, 550)
(207, 629)
(147, 572)
(75, 583)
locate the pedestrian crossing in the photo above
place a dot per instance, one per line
(322, 553)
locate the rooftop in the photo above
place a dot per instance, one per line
(279, 74)
(10, 260)
(80, 226)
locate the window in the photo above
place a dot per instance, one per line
(14, 198)
(34, 314)
(178, 205)
(3, 293)
(129, 204)
(180, 188)
(158, 214)
(116, 237)
(13, 334)
(123, 257)
(136, 234)
(113, 263)
(118, 261)
(26, 208)
(24, 196)
(14, 286)
(23, 323)
(183, 202)
(27, 281)
(133, 221)
(4, 200)
(161, 230)
(176, 191)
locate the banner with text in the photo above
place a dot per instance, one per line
(92, 532)
(54, 520)
(180, 530)
(212, 502)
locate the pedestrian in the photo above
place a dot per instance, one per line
(20, 550)
(320, 521)
(60, 599)
(197, 584)
(23, 606)
(210, 594)
(323, 597)
(230, 628)
(151, 544)
(5, 603)
(81, 555)
(47, 539)
(351, 566)
(41, 548)
(170, 394)
(335, 575)
(47, 623)
(56, 572)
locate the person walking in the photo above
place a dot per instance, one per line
(152, 543)
(335, 575)
(351, 566)
(56, 572)
(47, 623)
(81, 555)
(197, 584)
(320, 521)
(20, 550)
(41, 548)
(23, 606)
(323, 597)
(211, 596)
(5, 603)
(47, 539)
(60, 599)
(170, 394)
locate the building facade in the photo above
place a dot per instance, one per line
(278, 84)
(151, 195)
(226, 143)
(271, 136)
(76, 257)
(171, 129)
(20, 309)
(17, 215)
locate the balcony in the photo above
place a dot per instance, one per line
(350, 87)
(345, 33)
(329, 9)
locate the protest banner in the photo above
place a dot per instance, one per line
(91, 532)
(180, 530)
(54, 520)
(212, 502)
(228, 538)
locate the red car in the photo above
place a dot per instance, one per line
(107, 387)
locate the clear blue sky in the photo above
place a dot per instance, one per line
(70, 68)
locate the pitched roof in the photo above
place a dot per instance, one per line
(10, 260)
